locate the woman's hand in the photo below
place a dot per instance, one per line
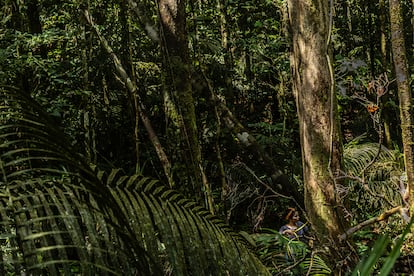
(289, 232)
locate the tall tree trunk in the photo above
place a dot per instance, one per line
(310, 22)
(383, 27)
(404, 95)
(133, 89)
(371, 28)
(127, 60)
(384, 64)
(225, 36)
(177, 65)
(88, 118)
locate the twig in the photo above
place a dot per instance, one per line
(365, 187)
(288, 268)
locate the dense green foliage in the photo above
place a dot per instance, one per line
(239, 52)
(61, 217)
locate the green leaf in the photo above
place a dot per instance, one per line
(258, 24)
(395, 253)
(367, 265)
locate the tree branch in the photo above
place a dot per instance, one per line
(250, 143)
(370, 221)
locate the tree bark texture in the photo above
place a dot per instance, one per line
(174, 43)
(228, 57)
(316, 107)
(404, 95)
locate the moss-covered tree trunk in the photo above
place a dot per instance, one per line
(174, 43)
(316, 108)
(404, 95)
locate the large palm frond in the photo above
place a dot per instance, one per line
(180, 230)
(58, 216)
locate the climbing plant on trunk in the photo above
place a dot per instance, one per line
(310, 23)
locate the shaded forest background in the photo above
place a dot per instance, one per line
(240, 79)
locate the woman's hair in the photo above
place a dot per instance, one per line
(289, 213)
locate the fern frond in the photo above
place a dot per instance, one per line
(374, 173)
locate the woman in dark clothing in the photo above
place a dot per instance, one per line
(294, 228)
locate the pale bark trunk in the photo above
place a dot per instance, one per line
(383, 28)
(404, 95)
(225, 36)
(316, 107)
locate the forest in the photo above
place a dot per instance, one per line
(171, 137)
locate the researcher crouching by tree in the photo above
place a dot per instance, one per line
(294, 228)
(297, 239)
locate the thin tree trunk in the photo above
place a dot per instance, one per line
(383, 28)
(404, 95)
(370, 24)
(384, 63)
(348, 17)
(228, 56)
(132, 88)
(127, 60)
(90, 134)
